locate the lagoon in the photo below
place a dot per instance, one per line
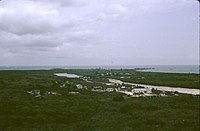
(67, 75)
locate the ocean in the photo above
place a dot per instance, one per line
(174, 69)
(154, 68)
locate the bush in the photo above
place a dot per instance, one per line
(118, 98)
(125, 109)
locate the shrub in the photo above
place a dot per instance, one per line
(118, 98)
(125, 109)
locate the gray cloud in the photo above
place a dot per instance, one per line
(35, 26)
(113, 12)
(65, 3)
(34, 19)
(98, 32)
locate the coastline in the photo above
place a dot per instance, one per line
(183, 69)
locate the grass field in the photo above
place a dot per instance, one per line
(90, 111)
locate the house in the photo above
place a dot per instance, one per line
(79, 86)
(162, 94)
(73, 93)
(109, 90)
(127, 73)
(51, 93)
(110, 84)
(35, 92)
(124, 88)
(62, 86)
(141, 90)
(97, 88)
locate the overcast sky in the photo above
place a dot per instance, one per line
(99, 32)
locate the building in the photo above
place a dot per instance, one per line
(79, 86)
(124, 88)
(109, 90)
(97, 88)
(110, 84)
(141, 90)
(35, 92)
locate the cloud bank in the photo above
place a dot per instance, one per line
(98, 32)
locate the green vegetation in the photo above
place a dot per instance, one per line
(165, 79)
(91, 111)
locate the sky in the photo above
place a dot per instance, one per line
(99, 32)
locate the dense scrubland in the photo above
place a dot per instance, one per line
(87, 110)
(151, 78)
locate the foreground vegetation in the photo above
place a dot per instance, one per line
(87, 110)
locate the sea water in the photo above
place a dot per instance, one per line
(154, 68)
(174, 69)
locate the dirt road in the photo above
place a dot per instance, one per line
(161, 88)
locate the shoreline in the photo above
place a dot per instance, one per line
(181, 69)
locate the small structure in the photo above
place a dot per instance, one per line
(48, 93)
(141, 90)
(97, 88)
(162, 94)
(62, 86)
(51, 93)
(176, 95)
(110, 84)
(79, 86)
(115, 89)
(124, 88)
(73, 93)
(127, 73)
(109, 90)
(35, 92)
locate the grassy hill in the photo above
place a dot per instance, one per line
(87, 110)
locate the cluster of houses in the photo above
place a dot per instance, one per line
(101, 89)
(134, 91)
(37, 93)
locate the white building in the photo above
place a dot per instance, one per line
(109, 90)
(141, 90)
(79, 86)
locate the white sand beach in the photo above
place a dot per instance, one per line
(161, 88)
